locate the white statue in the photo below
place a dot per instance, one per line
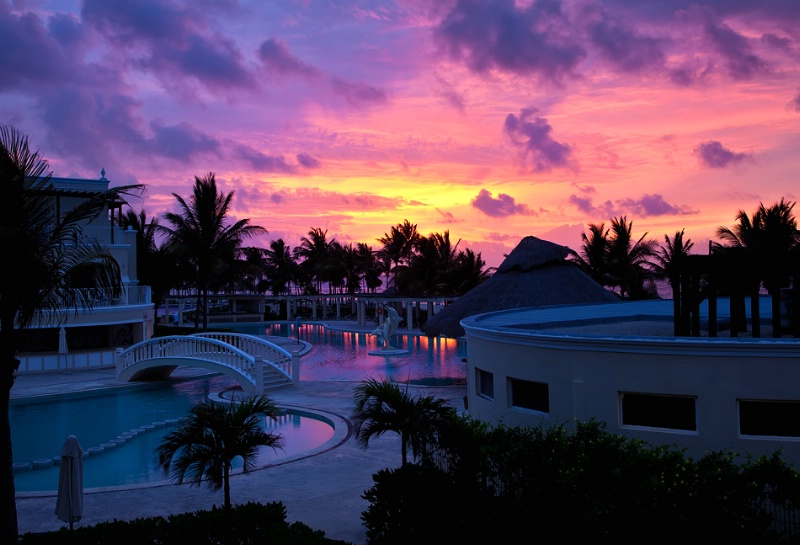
(390, 325)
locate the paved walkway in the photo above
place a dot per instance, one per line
(322, 490)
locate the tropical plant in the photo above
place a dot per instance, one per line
(398, 245)
(592, 258)
(205, 446)
(628, 261)
(199, 233)
(369, 267)
(313, 255)
(50, 277)
(154, 266)
(768, 239)
(381, 406)
(667, 264)
(612, 258)
(281, 269)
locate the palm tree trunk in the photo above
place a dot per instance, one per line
(9, 530)
(226, 480)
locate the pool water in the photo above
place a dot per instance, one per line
(344, 355)
(39, 429)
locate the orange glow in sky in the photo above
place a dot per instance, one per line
(491, 119)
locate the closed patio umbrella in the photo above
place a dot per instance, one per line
(69, 502)
(62, 345)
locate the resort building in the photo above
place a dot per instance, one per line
(90, 338)
(622, 364)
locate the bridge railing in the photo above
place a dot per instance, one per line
(272, 354)
(189, 346)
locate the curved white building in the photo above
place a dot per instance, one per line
(621, 364)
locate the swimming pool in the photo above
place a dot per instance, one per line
(147, 412)
(39, 428)
(344, 355)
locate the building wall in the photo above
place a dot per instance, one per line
(586, 375)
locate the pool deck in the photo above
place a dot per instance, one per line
(322, 490)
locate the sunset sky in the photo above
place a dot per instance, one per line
(491, 119)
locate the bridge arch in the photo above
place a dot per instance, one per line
(262, 365)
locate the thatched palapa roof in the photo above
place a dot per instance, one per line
(535, 273)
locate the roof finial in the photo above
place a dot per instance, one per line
(102, 174)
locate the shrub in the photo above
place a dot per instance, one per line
(503, 484)
(246, 524)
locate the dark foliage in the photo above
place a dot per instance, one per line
(246, 524)
(505, 484)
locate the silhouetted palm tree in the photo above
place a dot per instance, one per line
(206, 444)
(768, 239)
(593, 257)
(154, 266)
(382, 406)
(313, 256)
(280, 267)
(628, 261)
(49, 274)
(398, 245)
(201, 235)
(369, 267)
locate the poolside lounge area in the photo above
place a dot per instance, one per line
(622, 364)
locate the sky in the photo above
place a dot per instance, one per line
(493, 120)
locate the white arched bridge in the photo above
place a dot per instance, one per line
(255, 363)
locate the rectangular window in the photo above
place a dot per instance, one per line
(485, 382)
(774, 418)
(526, 394)
(659, 411)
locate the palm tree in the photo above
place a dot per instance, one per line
(200, 234)
(314, 252)
(593, 257)
(667, 264)
(768, 239)
(49, 274)
(206, 444)
(398, 245)
(628, 261)
(280, 267)
(382, 406)
(154, 266)
(368, 267)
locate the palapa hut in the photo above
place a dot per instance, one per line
(535, 273)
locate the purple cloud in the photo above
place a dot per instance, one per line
(795, 103)
(29, 54)
(357, 94)
(169, 38)
(505, 35)
(263, 162)
(533, 139)
(741, 62)
(625, 49)
(654, 205)
(307, 161)
(584, 204)
(276, 56)
(504, 205)
(714, 155)
(181, 141)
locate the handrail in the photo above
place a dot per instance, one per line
(272, 354)
(189, 346)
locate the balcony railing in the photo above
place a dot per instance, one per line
(131, 295)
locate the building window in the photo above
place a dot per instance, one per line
(659, 411)
(485, 382)
(526, 394)
(774, 418)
